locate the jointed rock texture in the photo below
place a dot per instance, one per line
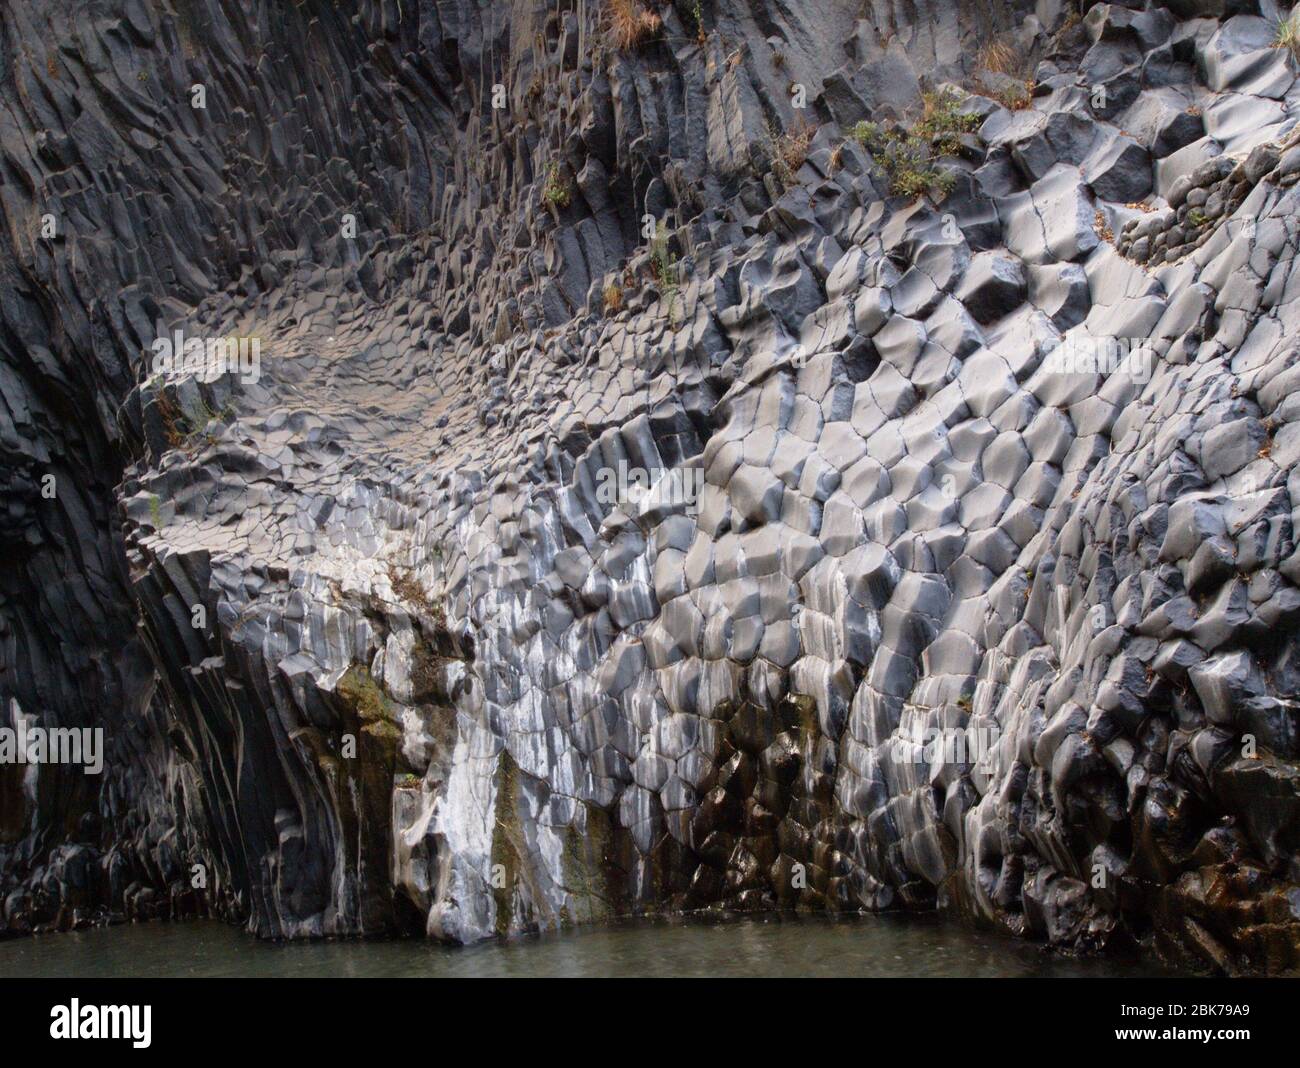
(374, 645)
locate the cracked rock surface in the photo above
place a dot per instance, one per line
(556, 566)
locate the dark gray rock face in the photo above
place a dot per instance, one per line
(630, 503)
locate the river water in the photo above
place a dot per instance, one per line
(881, 946)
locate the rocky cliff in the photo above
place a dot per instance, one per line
(712, 455)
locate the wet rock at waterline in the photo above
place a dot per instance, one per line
(492, 467)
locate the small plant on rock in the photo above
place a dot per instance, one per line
(613, 297)
(1003, 71)
(1101, 227)
(1015, 97)
(172, 419)
(998, 57)
(943, 123)
(910, 158)
(201, 416)
(359, 688)
(184, 425)
(555, 192)
(1287, 34)
(789, 149)
(630, 24)
(663, 264)
(407, 587)
(665, 269)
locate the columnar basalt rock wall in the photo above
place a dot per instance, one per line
(557, 565)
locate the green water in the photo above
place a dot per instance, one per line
(882, 946)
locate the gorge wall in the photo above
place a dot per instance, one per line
(638, 477)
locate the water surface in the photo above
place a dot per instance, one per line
(879, 946)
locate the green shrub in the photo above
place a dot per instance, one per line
(1014, 96)
(555, 192)
(910, 157)
(665, 269)
(697, 16)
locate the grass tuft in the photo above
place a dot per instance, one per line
(790, 149)
(998, 57)
(630, 24)
(1287, 34)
